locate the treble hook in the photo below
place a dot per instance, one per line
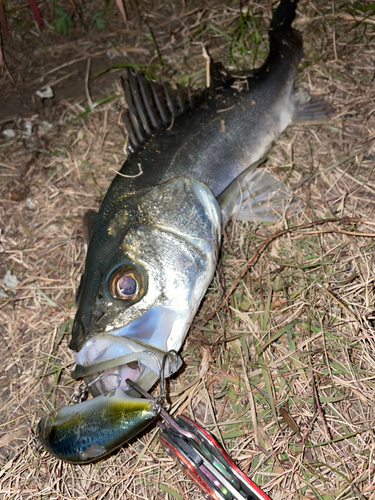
(105, 374)
(161, 367)
(82, 392)
(168, 419)
(162, 376)
(156, 358)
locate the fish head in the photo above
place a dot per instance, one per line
(147, 269)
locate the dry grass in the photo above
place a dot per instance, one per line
(286, 368)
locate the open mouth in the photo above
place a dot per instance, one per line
(134, 351)
(106, 361)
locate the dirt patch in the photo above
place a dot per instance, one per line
(36, 58)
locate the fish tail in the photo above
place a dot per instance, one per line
(284, 15)
(285, 42)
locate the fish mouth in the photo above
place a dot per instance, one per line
(106, 361)
(133, 351)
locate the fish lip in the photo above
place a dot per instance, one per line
(102, 371)
(78, 334)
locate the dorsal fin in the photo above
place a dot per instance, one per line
(149, 106)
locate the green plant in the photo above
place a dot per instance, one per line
(62, 21)
(98, 20)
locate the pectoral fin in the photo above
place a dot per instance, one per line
(312, 109)
(258, 196)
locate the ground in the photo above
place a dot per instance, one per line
(283, 373)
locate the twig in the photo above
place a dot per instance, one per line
(88, 96)
(208, 62)
(130, 176)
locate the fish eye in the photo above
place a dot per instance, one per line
(126, 286)
(126, 283)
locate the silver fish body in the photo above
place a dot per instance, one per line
(155, 244)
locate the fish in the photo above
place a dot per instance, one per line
(192, 165)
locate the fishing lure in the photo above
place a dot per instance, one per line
(90, 430)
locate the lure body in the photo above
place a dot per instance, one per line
(90, 430)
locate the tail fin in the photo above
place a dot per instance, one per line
(284, 15)
(285, 42)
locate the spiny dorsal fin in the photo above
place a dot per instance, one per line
(150, 105)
